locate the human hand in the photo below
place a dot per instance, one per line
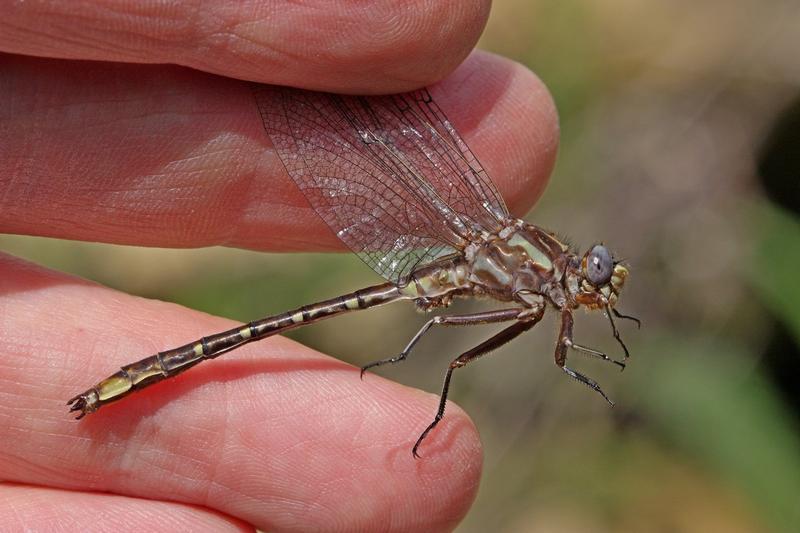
(161, 155)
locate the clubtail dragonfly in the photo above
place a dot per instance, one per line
(398, 185)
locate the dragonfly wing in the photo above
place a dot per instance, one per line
(388, 174)
(446, 161)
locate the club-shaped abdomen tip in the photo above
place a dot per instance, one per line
(85, 402)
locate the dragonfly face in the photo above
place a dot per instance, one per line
(595, 280)
(602, 278)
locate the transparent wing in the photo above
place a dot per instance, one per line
(388, 174)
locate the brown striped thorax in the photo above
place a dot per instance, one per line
(526, 264)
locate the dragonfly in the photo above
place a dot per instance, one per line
(397, 184)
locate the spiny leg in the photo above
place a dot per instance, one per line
(627, 317)
(593, 353)
(589, 382)
(482, 349)
(594, 300)
(565, 342)
(486, 317)
(616, 334)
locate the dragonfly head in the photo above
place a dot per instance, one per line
(602, 274)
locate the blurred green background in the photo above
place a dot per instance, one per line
(681, 150)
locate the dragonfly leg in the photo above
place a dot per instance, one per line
(627, 317)
(615, 331)
(589, 382)
(486, 317)
(593, 353)
(564, 343)
(467, 357)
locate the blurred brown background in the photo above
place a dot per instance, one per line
(680, 150)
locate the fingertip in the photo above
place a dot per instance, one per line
(439, 484)
(509, 118)
(456, 458)
(376, 48)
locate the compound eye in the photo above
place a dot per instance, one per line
(599, 265)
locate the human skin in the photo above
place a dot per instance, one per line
(132, 149)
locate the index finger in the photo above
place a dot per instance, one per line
(164, 156)
(328, 45)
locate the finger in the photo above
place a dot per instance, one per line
(337, 46)
(26, 508)
(163, 156)
(273, 433)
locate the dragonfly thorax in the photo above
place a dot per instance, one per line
(527, 264)
(522, 263)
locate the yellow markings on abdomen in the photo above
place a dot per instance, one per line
(113, 386)
(436, 281)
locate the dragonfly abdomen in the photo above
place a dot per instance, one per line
(167, 364)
